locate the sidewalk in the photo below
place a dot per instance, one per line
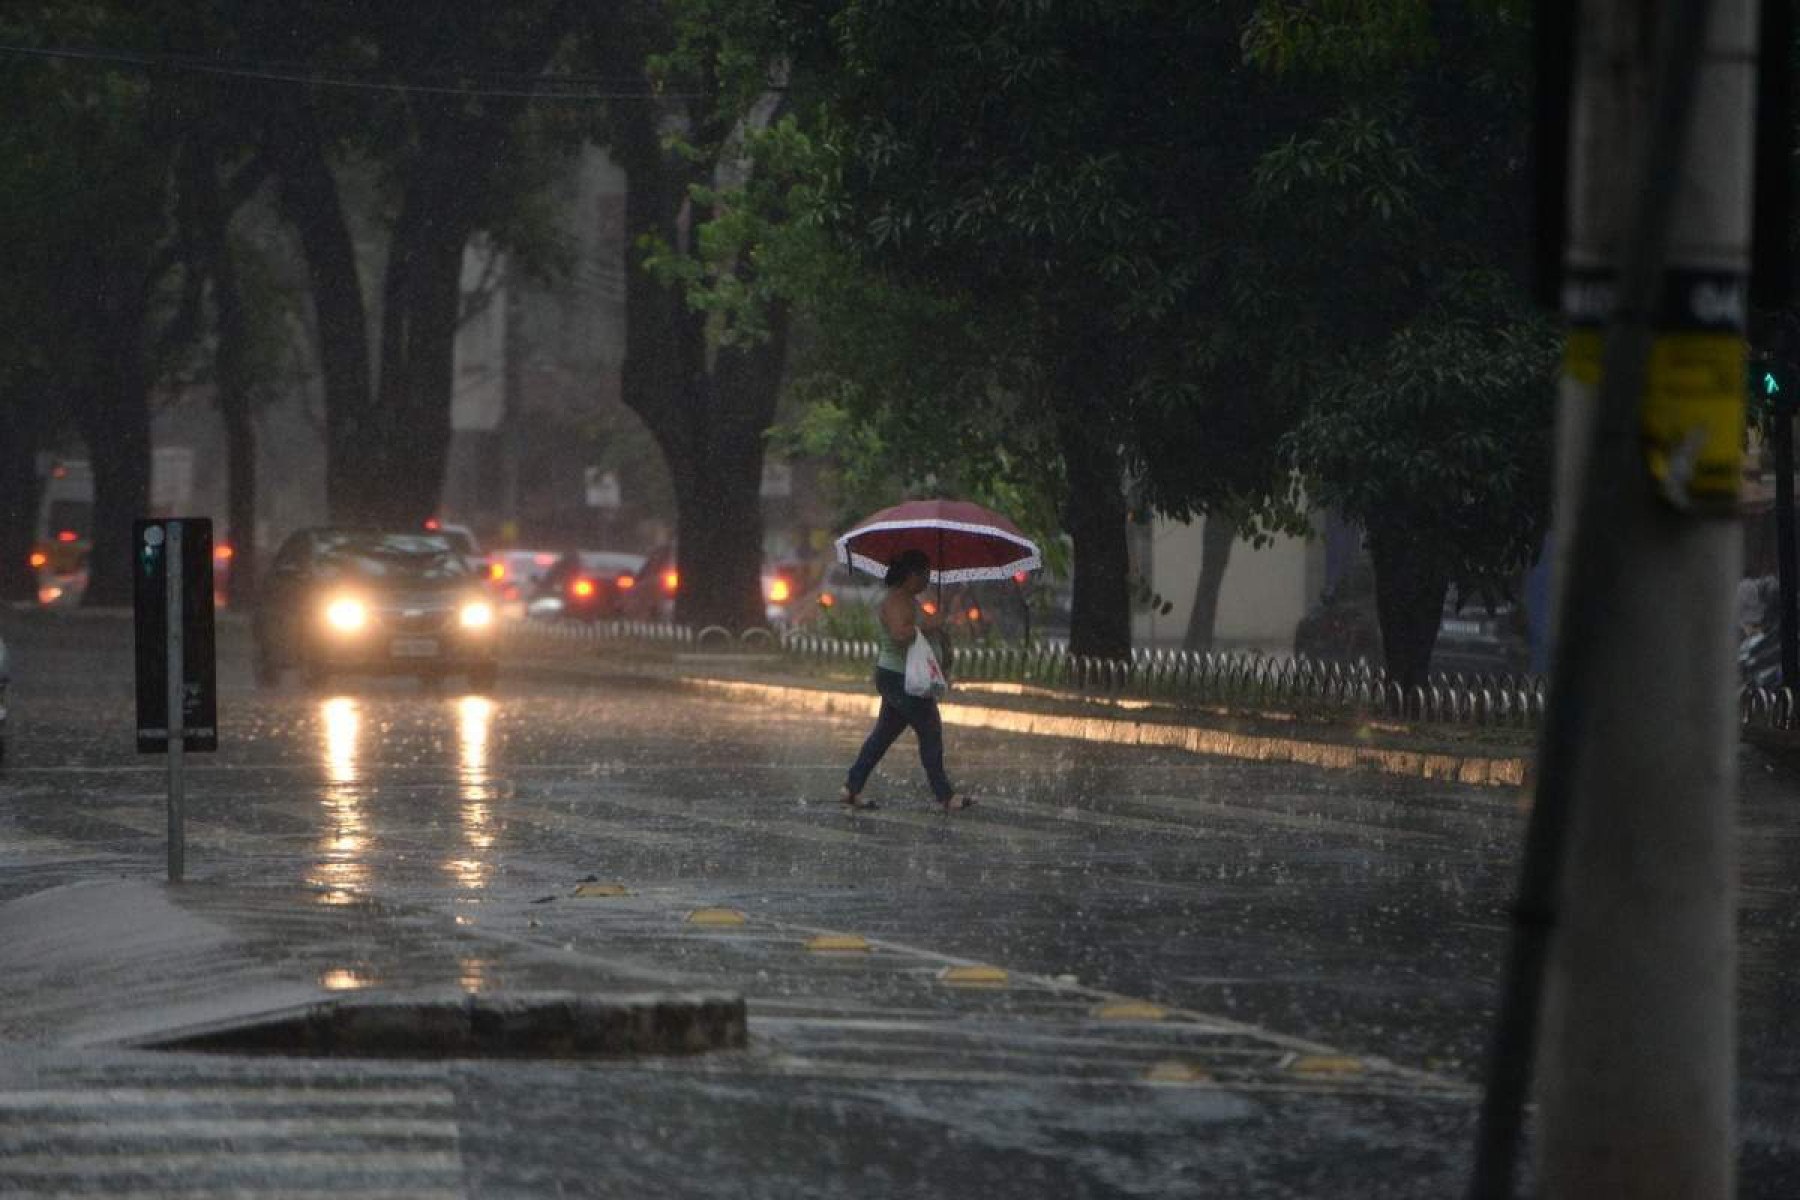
(1483, 757)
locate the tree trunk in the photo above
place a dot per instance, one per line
(310, 200)
(709, 419)
(423, 297)
(232, 373)
(114, 419)
(1409, 604)
(1095, 510)
(1216, 538)
(20, 492)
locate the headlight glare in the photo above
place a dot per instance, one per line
(477, 614)
(346, 614)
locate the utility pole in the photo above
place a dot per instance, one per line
(1636, 1044)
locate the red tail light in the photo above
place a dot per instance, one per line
(780, 590)
(930, 608)
(582, 588)
(496, 571)
(826, 599)
(223, 552)
(39, 558)
(431, 523)
(67, 535)
(671, 581)
(974, 614)
(625, 583)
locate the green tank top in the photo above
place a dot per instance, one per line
(892, 654)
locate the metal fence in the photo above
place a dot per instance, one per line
(1276, 684)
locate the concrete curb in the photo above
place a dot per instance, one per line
(550, 1025)
(1478, 770)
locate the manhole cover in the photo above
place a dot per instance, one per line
(480, 1026)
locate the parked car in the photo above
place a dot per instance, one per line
(654, 587)
(367, 601)
(586, 585)
(784, 588)
(513, 577)
(1475, 636)
(1482, 637)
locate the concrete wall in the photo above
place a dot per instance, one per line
(1265, 593)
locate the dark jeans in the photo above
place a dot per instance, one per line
(898, 710)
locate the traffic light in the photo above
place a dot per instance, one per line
(1774, 386)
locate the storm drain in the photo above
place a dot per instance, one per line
(481, 1026)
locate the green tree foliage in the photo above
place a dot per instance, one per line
(1010, 226)
(87, 323)
(437, 111)
(1385, 220)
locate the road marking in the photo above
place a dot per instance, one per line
(1322, 1064)
(978, 975)
(228, 1128)
(283, 1133)
(838, 943)
(1130, 1010)
(715, 916)
(601, 889)
(1176, 1073)
(247, 1096)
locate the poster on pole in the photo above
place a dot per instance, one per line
(150, 610)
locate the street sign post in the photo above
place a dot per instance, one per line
(177, 678)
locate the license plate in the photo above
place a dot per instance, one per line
(415, 647)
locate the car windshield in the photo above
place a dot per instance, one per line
(390, 557)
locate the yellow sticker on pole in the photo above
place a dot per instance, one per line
(1694, 414)
(1694, 407)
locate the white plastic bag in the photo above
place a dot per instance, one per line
(923, 675)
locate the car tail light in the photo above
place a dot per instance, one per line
(780, 590)
(67, 535)
(223, 552)
(671, 581)
(826, 599)
(432, 524)
(974, 614)
(496, 571)
(1019, 577)
(582, 589)
(543, 560)
(930, 608)
(39, 558)
(625, 583)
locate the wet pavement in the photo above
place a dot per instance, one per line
(1128, 972)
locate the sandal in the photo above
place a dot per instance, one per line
(855, 802)
(956, 802)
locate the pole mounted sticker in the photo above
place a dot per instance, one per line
(1692, 414)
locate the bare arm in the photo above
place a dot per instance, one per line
(899, 618)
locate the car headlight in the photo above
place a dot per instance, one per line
(346, 614)
(477, 614)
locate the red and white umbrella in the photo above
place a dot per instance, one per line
(965, 542)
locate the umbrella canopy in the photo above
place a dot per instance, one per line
(965, 542)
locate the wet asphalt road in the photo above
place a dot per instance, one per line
(1323, 947)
